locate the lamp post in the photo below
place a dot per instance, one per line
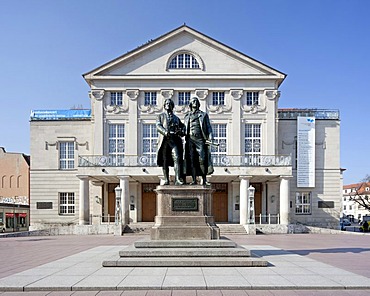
(251, 191)
(117, 217)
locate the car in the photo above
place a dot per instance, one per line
(343, 223)
(2, 227)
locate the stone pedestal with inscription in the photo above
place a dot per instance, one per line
(184, 213)
(185, 235)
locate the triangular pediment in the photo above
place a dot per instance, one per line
(152, 59)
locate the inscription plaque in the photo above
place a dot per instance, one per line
(184, 204)
(44, 205)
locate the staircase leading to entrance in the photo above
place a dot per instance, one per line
(143, 228)
(226, 228)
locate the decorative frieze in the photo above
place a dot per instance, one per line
(272, 94)
(236, 94)
(97, 94)
(201, 93)
(133, 94)
(166, 93)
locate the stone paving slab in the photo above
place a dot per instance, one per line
(83, 272)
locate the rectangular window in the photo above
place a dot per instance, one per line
(252, 144)
(117, 143)
(150, 98)
(149, 150)
(219, 136)
(344, 207)
(252, 98)
(66, 203)
(116, 98)
(218, 98)
(303, 203)
(184, 98)
(66, 155)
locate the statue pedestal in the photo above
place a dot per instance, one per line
(184, 213)
(185, 235)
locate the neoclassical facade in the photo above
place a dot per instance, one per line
(289, 156)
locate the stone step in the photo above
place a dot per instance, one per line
(131, 251)
(216, 243)
(186, 262)
(231, 229)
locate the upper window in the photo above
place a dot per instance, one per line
(117, 143)
(218, 98)
(252, 143)
(116, 98)
(184, 98)
(252, 98)
(150, 98)
(149, 138)
(184, 61)
(220, 137)
(66, 155)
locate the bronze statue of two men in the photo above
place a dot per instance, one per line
(197, 130)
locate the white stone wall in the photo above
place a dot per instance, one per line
(328, 177)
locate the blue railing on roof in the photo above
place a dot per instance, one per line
(317, 113)
(60, 114)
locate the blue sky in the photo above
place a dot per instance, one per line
(323, 46)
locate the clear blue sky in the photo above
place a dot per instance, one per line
(323, 46)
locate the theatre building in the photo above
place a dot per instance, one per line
(289, 156)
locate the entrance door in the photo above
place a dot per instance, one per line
(257, 200)
(111, 202)
(149, 202)
(219, 206)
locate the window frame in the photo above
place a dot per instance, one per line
(303, 207)
(116, 98)
(219, 132)
(150, 98)
(116, 135)
(184, 60)
(70, 207)
(66, 161)
(183, 98)
(218, 98)
(252, 98)
(149, 135)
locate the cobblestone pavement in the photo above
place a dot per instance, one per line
(302, 264)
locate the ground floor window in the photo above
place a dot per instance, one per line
(303, 203)
(66, 203)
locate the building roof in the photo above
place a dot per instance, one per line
(151, 44)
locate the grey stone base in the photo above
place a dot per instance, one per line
(199, 253)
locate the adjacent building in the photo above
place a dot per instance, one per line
(14, 191)
(289, 156)
(351, 209)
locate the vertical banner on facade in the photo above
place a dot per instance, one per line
(306, 151)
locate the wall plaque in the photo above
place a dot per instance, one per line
(44, 205)
(184, 204)
(326, 204)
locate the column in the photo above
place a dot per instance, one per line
(125, 199)
(284, 200)
(84, 209)
(244, 213)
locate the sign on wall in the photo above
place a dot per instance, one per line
(306, 151)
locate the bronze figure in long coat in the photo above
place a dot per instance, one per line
(198, 136)
(170, 148)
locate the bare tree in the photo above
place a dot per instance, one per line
(361, 194)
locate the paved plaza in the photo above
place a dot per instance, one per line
(299, 264)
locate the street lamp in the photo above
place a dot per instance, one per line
(117, 217)
(251, 191)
